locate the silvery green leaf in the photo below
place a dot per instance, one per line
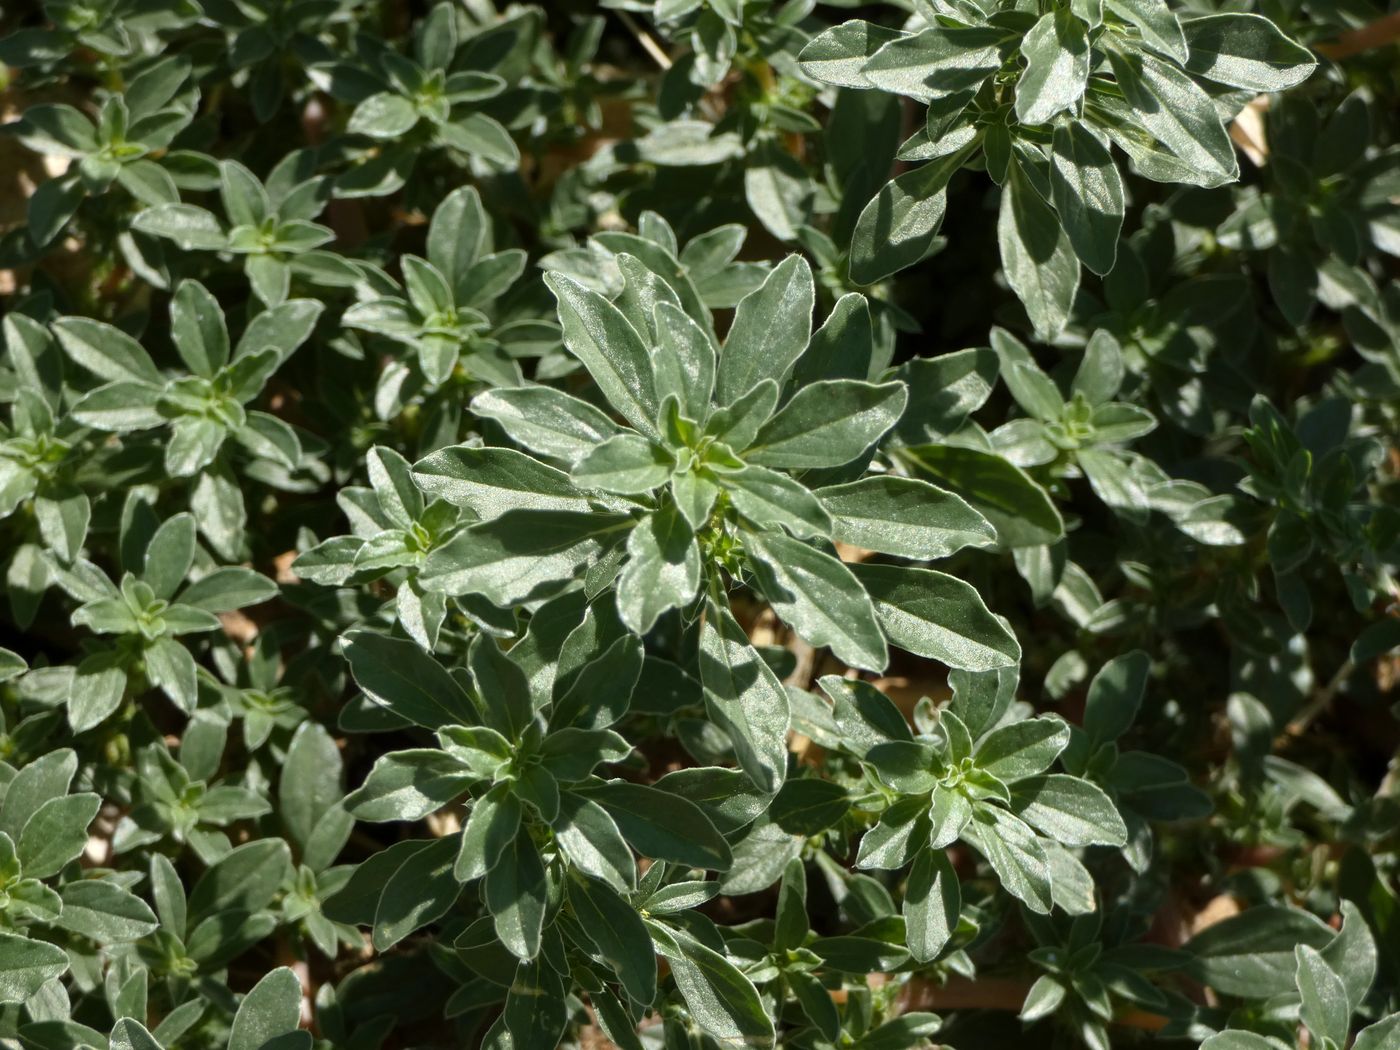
(772, 326)
(1245, 51)
(818, 596)
(938, 616)
(745, 698)
(1057, 67)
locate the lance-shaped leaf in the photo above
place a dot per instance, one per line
(520, 555)
(618, 934)
(1057, 67)
(904, 516)
(938, 616)
(817, 594)
(771, 328)
(932, 902)
(662, 570)
(1036, 255)
(827, 424)
(1245, 51)
(1087, 192)
(399, 675)
(1071, 811)
(597, 333)
(491, 481)
(720, 998)
(745, 698)
(897, 228)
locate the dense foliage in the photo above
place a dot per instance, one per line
(699, 523)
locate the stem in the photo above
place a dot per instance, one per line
(1321, 702)
(995, 993)
(648, 42)
(1379, 33)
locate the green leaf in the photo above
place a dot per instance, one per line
(1036, 255)
(1033, 390)
(1014, 853)
(721, 1000)
(592, 843)
(515, 896)
(502, 687)
(1022, 749)
(1087, 192)
(492, 481)
(244, 198)
(1324, 1009)
(130, 1034)
(808, 806)
(190, 227)
(1179, 114)
(25, 965)
(282, 328)
(521, 555)
(1380, 1035)
(105, 351)
(271, 1009)
(224, 590)
(597, 333)
(397, 674)
(778, 189)
(197, 329)
(169, 555)
(663, 826)
(44, 779)
(1071, 811)
(941, 60)
(685, 360)
(1114, 695)
(489, 830)
(408, 785)
(1353, 954)
(837, 55)
(1156, 22)
(12, 665)
(618, 934)
(421, 890)
(1245, 51)
(1020, 510)
(662, 570)
(1233, 1039)
(772, 499)
(99, 683)
(904, 516)
(818, 596)
(56, 833)
(937, 616)
(104, 912)
(898, 227)
(932, 903)
(1252, 954)
(1056, 51)
(911, 767)
(1043, 999)
(546, 421)
(772, 326)
(244, 879)
(744, 698)
(843, 347)
(625, 463)
(385, 115)
(827, 424)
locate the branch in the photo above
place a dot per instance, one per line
(1379, 33)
